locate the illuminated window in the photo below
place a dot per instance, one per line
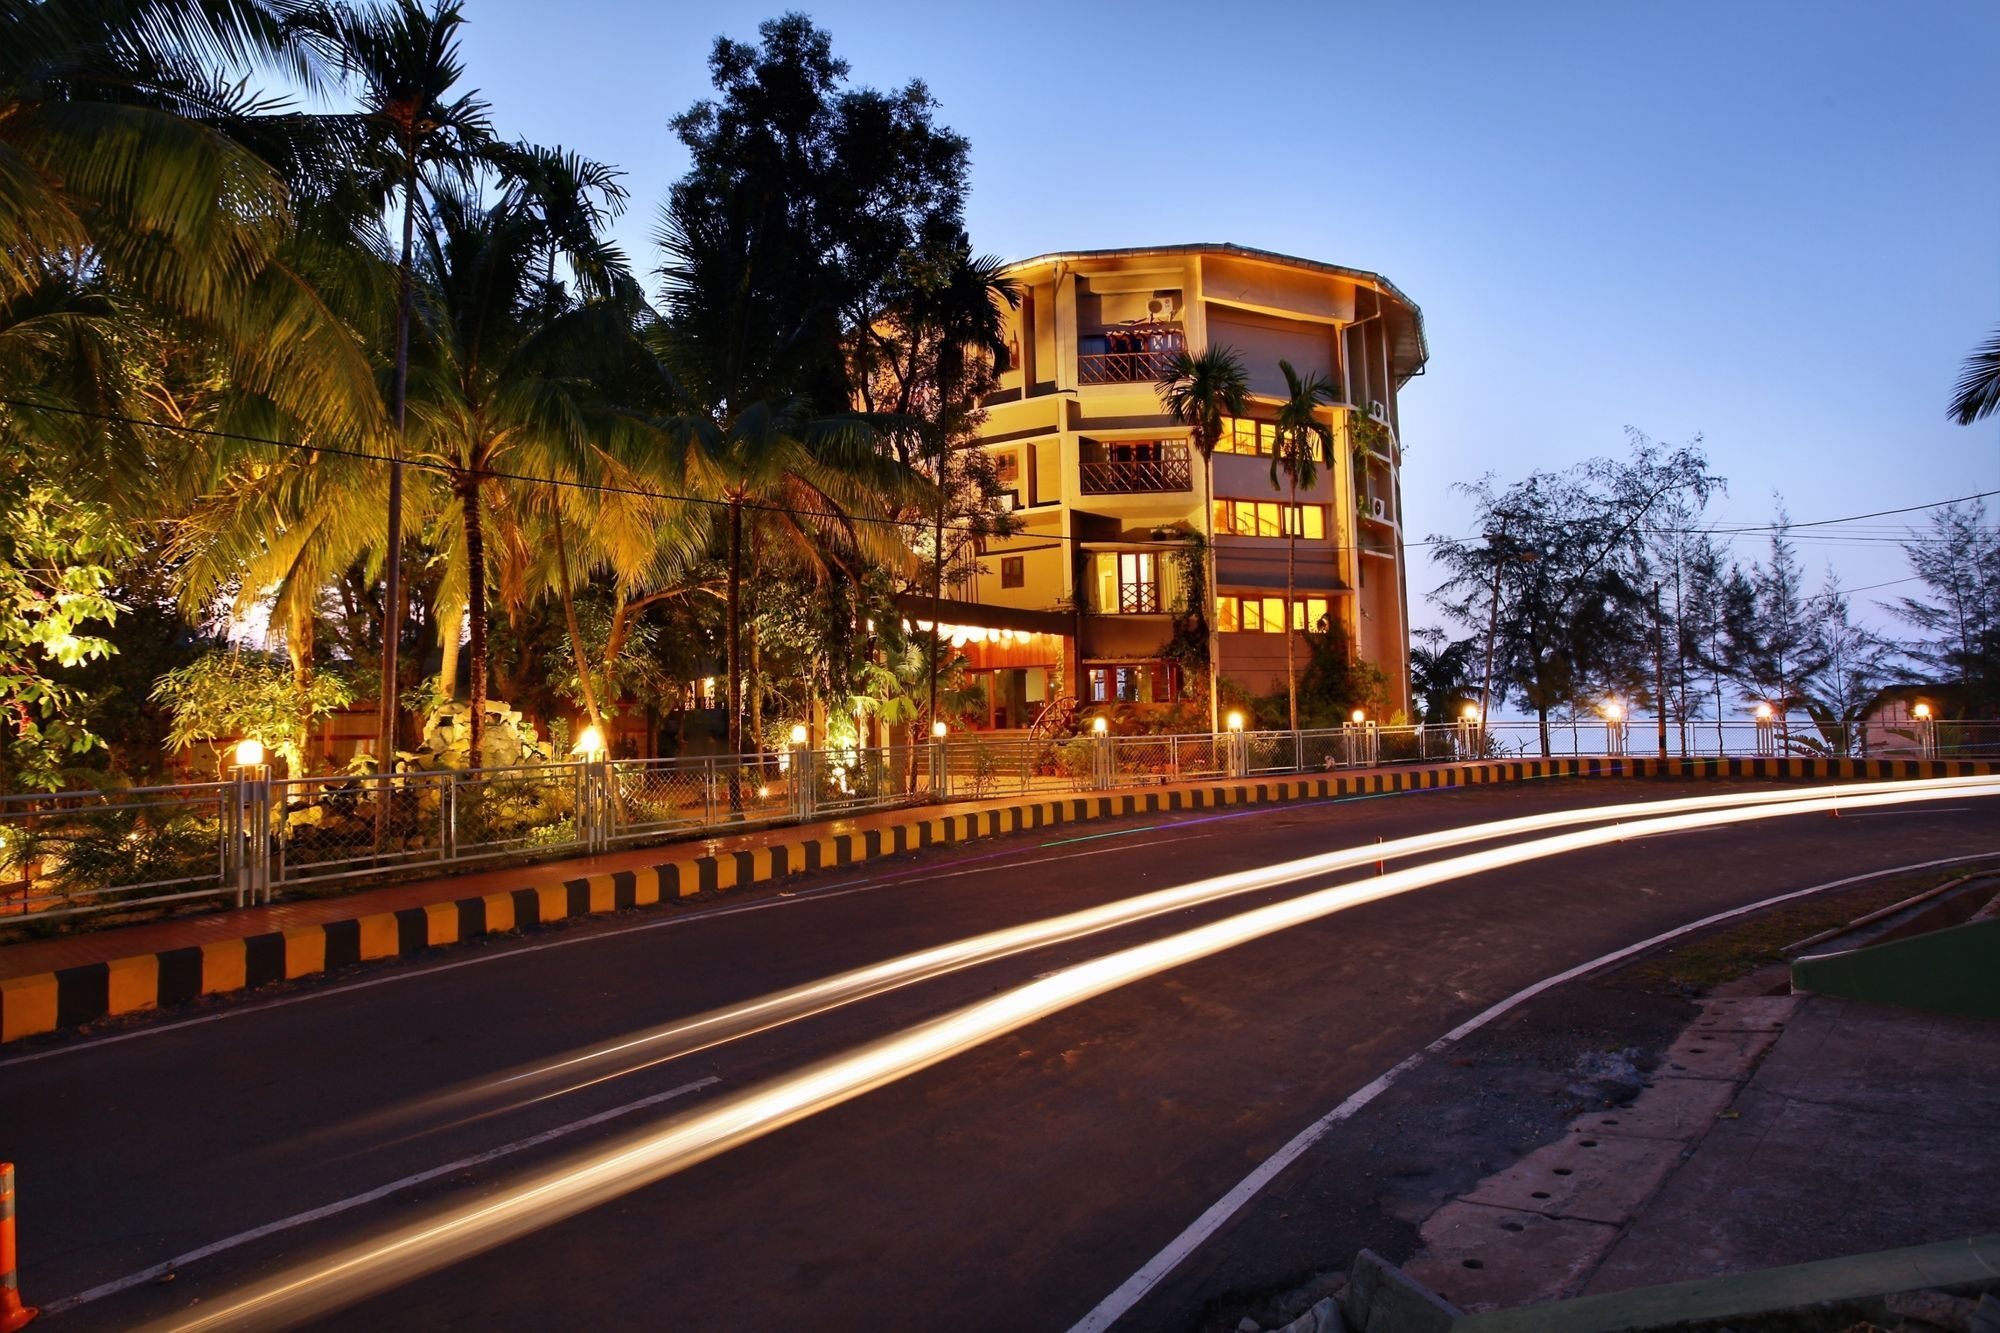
(1013, 571)
(1266, 615)
(1268, 518)
(1132, 683)
(1241, 435)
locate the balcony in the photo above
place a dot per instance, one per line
(1139, 354)
(1149, 467)
(1138, 599)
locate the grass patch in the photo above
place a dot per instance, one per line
(1741, 947)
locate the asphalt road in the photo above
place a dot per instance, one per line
(1010, 1188)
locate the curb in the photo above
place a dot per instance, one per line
(74, 996)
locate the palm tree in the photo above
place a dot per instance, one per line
(508, 377)
(1198, 392)
(1304, 440)
(405, 59)
(1978, 393)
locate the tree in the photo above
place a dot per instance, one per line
(1563, 577)
(1957, 620)
(416, 134)
(1443, 673)
(231, 693)
(1977, 394)
(1838, 700)
(1199, 391)
(1304, 440)
(1771, 636)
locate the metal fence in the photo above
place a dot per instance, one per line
(243, 841)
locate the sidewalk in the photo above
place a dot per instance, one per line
(69, 981)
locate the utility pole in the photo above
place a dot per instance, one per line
(1660, 667)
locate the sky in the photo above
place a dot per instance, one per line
(1776, 226)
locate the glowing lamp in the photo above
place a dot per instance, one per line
(590, 741)
(1100, 725)
(798, 733)
(1763, 712)
(1470, 712)
(938, 729)
(1358, 716)
(249, 752)
(763, 793)
(1614, 710)
(1922, 712)
(1235, 721)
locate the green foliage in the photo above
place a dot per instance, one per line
(85, 850)
(1336, 682)
(56, 559)
(228, 694)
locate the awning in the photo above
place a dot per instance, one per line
(916, 606)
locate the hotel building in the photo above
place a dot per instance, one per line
(1079, 603)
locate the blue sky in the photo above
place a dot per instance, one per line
(1775, 225)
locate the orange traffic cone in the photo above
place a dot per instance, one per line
(13, 1314)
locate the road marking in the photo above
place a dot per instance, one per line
(340, 1206)
(1135, 1288)
(1897, 814)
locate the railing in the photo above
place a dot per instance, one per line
(1142, 367)
(1136, 599)
(246, 841)
(1136, 476)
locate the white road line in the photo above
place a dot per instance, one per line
(334, 1209)
(1134, 1289)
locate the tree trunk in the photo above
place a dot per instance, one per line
(1209, 613)
(1542, 716)
(1291, 596)
(392, 561)
(475, 599)
(449, 620)
(576, 648)
(937, 585)
(735, 649)
(299, 648)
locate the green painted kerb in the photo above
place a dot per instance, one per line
(1954, 971)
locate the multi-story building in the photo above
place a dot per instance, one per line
(1079, 603)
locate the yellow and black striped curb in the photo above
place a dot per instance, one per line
(73, 996)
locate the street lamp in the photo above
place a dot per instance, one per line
(1766, 730)
(589, 743)
(1923, 712)
(1926, 731)
(1235, 721)
(938, 730)
(799, 734)
(249, 752)
(1358, 716)
(1614, 727)
(1100, 725)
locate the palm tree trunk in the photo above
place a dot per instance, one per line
(299, 648)
(392, 561)
(735, 649)
(1209, 610)
(1291, 596)
(937, 586)
(576, 650)
(475, 599)
(449, 619)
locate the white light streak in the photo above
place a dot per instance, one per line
(549, 1196)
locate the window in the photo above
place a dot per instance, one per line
(1268, 518)
(1128, 583)
(1266, 615)
(1132, 683)
(1013, 571)
(1241, 435)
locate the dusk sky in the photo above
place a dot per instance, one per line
(1777, 226)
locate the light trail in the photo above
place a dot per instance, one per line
(676, 1040)
(587, 1180)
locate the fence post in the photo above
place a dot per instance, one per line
(250, 802)
(803, 778)
(1298, 752)
(940, 768)
(1106, 765)
(448, 817)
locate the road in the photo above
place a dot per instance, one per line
(1010, 1187)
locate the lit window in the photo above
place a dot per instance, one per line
(1268, 518)
(1228, 616)
(1012, 571)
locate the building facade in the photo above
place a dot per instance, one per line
(1080, 603)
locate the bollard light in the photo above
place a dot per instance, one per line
(938, 730)
(1613, 709)
(1100, 725)
(1358, 716)
(798, 733)
(1470, 712)
(589, 742)
(249, 752)
(1763, 712)
(1235, 721)
(1922, 712)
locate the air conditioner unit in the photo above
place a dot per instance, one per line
(1378, 508)
(1378, 411)
(1162, 305)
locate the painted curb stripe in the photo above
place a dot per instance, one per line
(74, 996)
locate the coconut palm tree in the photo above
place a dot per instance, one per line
(1304, 440)
(414, 135)
(1978, 391)
(1198, 391)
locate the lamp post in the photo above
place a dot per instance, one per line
(1926, 731)
(1767, 728)
(940, 765)
(252, 807)
(1468, 729)
(1234, 763)
(1614, 728)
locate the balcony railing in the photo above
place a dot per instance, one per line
(1138, 599)
(1123, 367)
(1136, 476)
